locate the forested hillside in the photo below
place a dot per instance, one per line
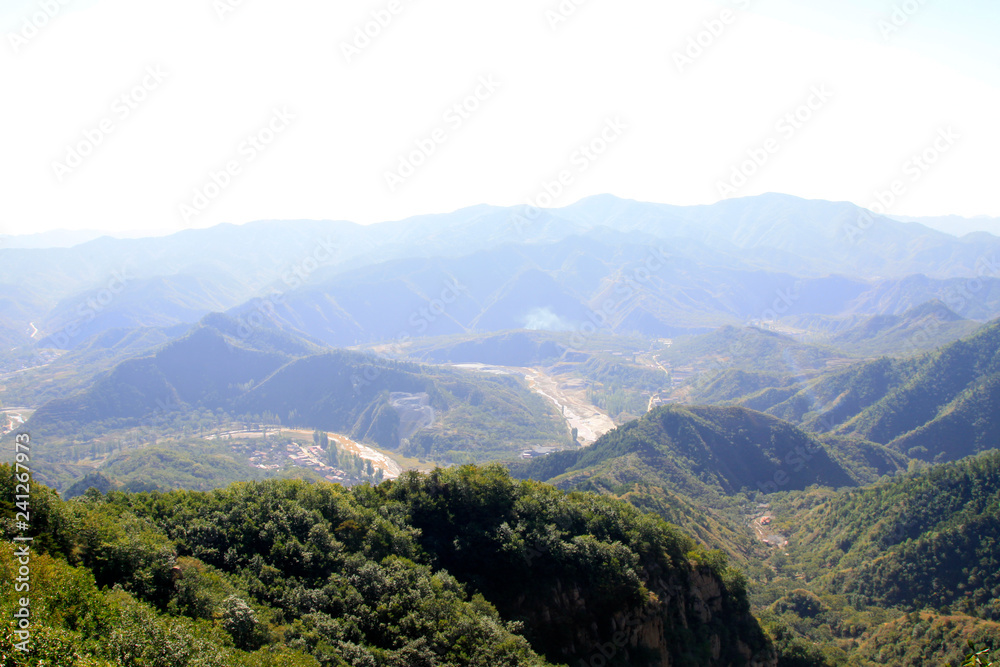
(708, 451)
(939, 406)
(924, 327)
(215, 368)
(460, 567)
(930, 539)
(903, 572)
(699, 467)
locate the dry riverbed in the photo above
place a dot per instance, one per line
(569, 394)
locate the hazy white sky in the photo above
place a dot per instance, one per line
(128, 114)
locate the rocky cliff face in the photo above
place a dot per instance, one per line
(593, 581)
(687, 619)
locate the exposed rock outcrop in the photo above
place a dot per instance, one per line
(688, 618)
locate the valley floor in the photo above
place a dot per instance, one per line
(568, 393)
(308, 456)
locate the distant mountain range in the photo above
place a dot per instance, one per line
(956, 224)
(606, 263)
(67, 238)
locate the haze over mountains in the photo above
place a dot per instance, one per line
(63, 238)
(650, 269)
(956, 225)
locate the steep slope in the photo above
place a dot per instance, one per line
(922, 638)
(65, 372)
(736, 384)
(751, 349)
(128, 303)
(965, 426)
(480, 416)
(949, 382)
(939, 406)
(836, 397)
(973, 296)
(220, 366)
(687, 464)
(926, 539)
(704, 453)
(203, 368)
(926, 326)
(459, 567)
